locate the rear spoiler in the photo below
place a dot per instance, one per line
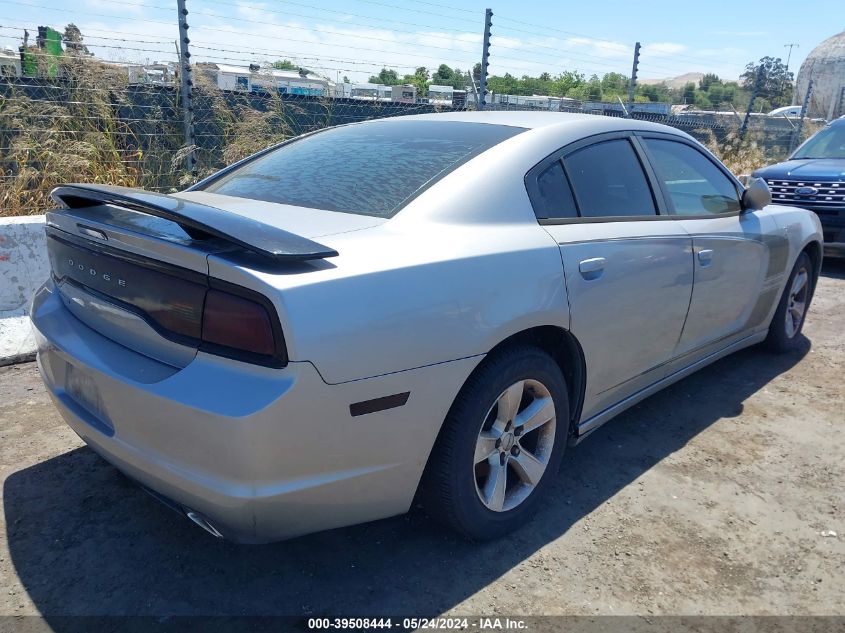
(198, 220)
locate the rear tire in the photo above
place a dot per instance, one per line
(786, 325)
(500, 446)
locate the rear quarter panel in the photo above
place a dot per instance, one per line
(396, 300)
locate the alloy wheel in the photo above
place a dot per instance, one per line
(514, 445)
(797, 304)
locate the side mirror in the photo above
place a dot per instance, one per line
(756, 195)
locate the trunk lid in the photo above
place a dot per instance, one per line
(133, 265)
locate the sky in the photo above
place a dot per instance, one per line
(355, 38)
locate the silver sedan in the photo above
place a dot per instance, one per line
(430, 307)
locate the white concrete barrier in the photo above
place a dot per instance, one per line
(23, 268)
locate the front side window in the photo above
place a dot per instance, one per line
(695, 185)
(371, 168)
(608, 181)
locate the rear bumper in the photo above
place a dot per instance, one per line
(263, 454)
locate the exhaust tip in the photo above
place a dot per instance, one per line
(204, 523)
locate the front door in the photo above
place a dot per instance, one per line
(733, 250)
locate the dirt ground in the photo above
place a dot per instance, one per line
(724, 494)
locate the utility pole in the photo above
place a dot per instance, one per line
(796, 135)
(757, 81)
(187, 85)
(789, 55)
(632, 86)
(485, 56)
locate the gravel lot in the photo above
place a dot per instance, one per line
(724, 494)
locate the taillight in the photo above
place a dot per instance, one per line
(237, 323)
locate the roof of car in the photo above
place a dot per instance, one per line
(516, 118)
(532, 120)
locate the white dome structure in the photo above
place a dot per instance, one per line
(825, 66)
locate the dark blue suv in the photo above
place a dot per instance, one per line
(814, 178)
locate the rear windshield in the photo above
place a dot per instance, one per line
(368, 169)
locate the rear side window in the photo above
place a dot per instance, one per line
(554, 197)
(373, 168)
(695, 185)
(608, 181)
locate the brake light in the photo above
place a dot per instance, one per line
(237, 323)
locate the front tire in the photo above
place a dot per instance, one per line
(501, 444)
(788, 320)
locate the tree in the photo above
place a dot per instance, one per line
(73, 40)
(566, 83)
(613, 85)
(701, 100)
(386, 76)
(442, 76)
(688, 93)
(730, 92)
(346, 79)
(445, 76)
(285, 64)
(716, 94)
(594, 91)
(504, 85)
(775, 80)
(476, 72)
(419, 80)
(655, 92)
(708, 80)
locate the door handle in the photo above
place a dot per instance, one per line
(705, 257)
(592, 268)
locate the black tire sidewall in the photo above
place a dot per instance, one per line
(474, 519)
(777, 339)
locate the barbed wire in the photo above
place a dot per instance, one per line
(513, 60)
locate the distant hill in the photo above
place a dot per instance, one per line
(675, 82)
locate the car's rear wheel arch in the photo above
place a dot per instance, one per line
(565, 349)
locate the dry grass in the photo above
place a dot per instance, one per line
(743, 156)
(75, 137)
(77, 130)
(740, 156)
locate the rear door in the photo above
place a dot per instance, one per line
(736, 253)
(627, 266)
